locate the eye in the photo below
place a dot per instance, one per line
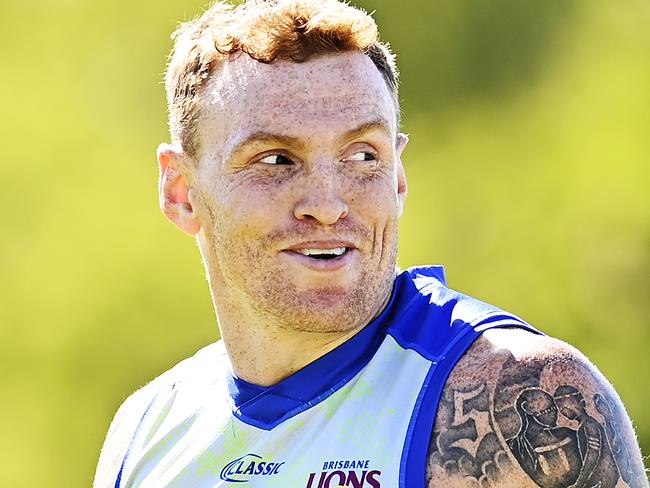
(275, 159)
(362, 156)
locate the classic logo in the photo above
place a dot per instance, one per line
(242, 469)
(345, 474)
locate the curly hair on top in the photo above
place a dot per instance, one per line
(265, 30)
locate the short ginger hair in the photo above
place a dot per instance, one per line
(265, 30)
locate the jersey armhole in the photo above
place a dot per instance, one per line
(418, 437)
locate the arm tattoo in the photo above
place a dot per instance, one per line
(531, 429)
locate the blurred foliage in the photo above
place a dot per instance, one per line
(529, 180)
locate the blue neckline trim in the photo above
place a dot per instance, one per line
(267, 407)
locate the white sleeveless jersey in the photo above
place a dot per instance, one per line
(361, 416)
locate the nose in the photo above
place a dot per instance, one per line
(321, 197)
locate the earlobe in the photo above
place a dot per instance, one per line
(173, 189)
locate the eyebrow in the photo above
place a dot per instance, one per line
(270, 138)
(379, 124)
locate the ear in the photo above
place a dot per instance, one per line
(402, 187)
(173, 189)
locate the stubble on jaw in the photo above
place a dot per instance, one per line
(281, 303)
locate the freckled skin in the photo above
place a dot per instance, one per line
(251, 210)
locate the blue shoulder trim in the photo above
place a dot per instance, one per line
(418, 437)
(440, 325)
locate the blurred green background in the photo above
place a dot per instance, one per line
(529, 180)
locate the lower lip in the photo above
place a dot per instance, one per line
(321, 264)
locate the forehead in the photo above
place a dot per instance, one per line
(321, 97)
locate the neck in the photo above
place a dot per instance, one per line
(263, 351)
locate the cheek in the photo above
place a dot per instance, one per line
(376, 194)
(249, 209)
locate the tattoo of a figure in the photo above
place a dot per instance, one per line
(618, 446)
(559, 437)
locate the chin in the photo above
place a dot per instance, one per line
(331, 309)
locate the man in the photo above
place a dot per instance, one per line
(545, 451)
(333, 370)
(593, 445)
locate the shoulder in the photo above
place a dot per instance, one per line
(514, 409)
(511, 354)
(433, 319)
(192, 373)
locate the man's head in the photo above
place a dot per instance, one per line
(535, 404)
(287, 165)
(570, 401)
(265, 30)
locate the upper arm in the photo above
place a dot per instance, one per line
(118, 438)
(526, 410)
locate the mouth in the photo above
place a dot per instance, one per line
(322, 256)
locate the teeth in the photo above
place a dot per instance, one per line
(315, 252)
